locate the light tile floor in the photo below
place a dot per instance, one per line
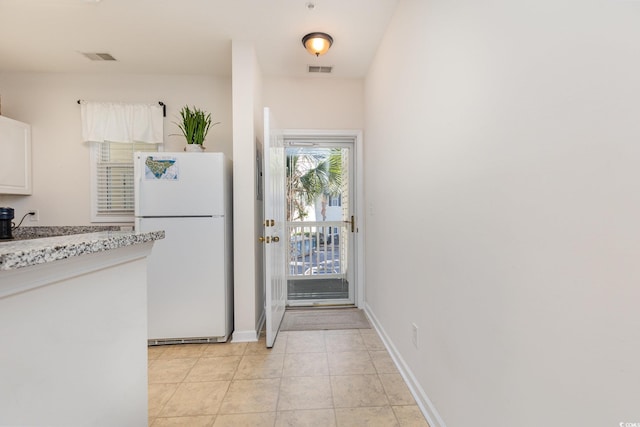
(310, 378)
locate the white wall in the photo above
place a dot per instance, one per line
(61, 185)
(315, 102)
(502, 152)
(258, 217)
(247, 210)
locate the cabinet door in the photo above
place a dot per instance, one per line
(15, 152)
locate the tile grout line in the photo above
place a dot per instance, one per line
(284, 352)
(333, 401)
(169, 398)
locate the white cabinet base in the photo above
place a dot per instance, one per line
(73, 350)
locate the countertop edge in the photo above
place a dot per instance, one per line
(25, 253)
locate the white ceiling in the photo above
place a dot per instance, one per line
(188, 36)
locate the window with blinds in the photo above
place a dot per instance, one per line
(113, 192)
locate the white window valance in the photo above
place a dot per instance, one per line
(119, 122)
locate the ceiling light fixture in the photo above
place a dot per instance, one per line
(317, 43)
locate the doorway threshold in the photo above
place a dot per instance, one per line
(310, 305)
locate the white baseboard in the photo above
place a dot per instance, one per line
(251, 335)
(423, 401)
(244, 336)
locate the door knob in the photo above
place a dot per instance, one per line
(351, 222)
(275, 239)
(261, 239)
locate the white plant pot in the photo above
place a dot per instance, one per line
(196, 148)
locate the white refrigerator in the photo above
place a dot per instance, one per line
(190, 282)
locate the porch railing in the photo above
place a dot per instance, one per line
(315, 250)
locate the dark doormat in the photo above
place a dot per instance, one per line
(324, 319)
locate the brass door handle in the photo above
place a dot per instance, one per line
(264, 239)
(275, 239)
(352, 222)
(261, 239)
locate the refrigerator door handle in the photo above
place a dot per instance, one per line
(138, 174)
(138, 171)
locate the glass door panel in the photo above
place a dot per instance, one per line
(319, 218)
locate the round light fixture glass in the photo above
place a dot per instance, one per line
(317, 43)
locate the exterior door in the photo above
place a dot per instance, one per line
(273, 235)
(321, 221)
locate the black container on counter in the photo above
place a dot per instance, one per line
(6, 222)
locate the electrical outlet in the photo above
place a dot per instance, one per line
(414, 334)
(36, 216)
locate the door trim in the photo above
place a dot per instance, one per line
(354, 135)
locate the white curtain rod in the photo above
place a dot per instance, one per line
(164, 107)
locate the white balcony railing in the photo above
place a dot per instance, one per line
(315, 249)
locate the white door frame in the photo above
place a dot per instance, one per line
(356, 136)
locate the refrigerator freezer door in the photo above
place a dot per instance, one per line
(187, 287)
(179, 184)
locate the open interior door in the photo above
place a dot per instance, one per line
(274, 234)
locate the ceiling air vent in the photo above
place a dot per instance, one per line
(320, 69)
(99, 56)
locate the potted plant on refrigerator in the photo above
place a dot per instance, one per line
(195, 126)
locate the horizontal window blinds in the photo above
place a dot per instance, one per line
(114, 177)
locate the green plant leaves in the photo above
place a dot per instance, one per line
(195, 124)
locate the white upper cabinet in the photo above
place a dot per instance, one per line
(15, 157)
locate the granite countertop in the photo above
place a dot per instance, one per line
(38, 232)
(66, 243)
